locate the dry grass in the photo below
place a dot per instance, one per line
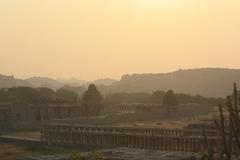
(20, 152)
(13, 152)
(155, 124)
(34, 135)
(167, 123)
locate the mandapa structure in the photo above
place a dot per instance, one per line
(142, 138)
(33, 116)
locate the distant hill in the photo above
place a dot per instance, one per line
(77, 82)
(105, 81)
(44, 82)
(73, 82)
(10, 81)
(209, 82)
(79, 86)
(206, 81)
(77, 89)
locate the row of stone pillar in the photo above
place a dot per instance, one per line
(5, 115)
(147, 131)
(193, 144)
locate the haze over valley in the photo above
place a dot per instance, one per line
(119, 80)
(210, 82)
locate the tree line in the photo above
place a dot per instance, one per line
(46, 95)
(36, 95)
(158, 98)
(92, 102)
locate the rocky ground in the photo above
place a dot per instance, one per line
(9, 151)
(128, 154)
(13, 152)
(22, 152)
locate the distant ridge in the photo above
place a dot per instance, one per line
(105, 81)
(210, 82)
(215, 82)
(72, 81)
(44, 82)
(10, 81)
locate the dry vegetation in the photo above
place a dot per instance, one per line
(168, 123)
(25, 134)
(13, 152)
(20, 152)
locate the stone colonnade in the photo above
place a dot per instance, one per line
(142, 138)
(5, 115)
(107, 139)
(131, 130)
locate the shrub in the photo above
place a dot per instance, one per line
(96, 155)
(76, 156)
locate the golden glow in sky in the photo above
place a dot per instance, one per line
(91, 39)
(156, 3)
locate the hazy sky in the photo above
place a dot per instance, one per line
(91, 39)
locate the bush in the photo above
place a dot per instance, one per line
(76, 156)
(96, 155)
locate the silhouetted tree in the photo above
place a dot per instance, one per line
(170, 99)
(92, 101)
(63, 95)
(117, 98)
(228, 125)
(4, 95)
(157, 97)
(169, 103)
(77, 89)
(23, 95)
(46, 95)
